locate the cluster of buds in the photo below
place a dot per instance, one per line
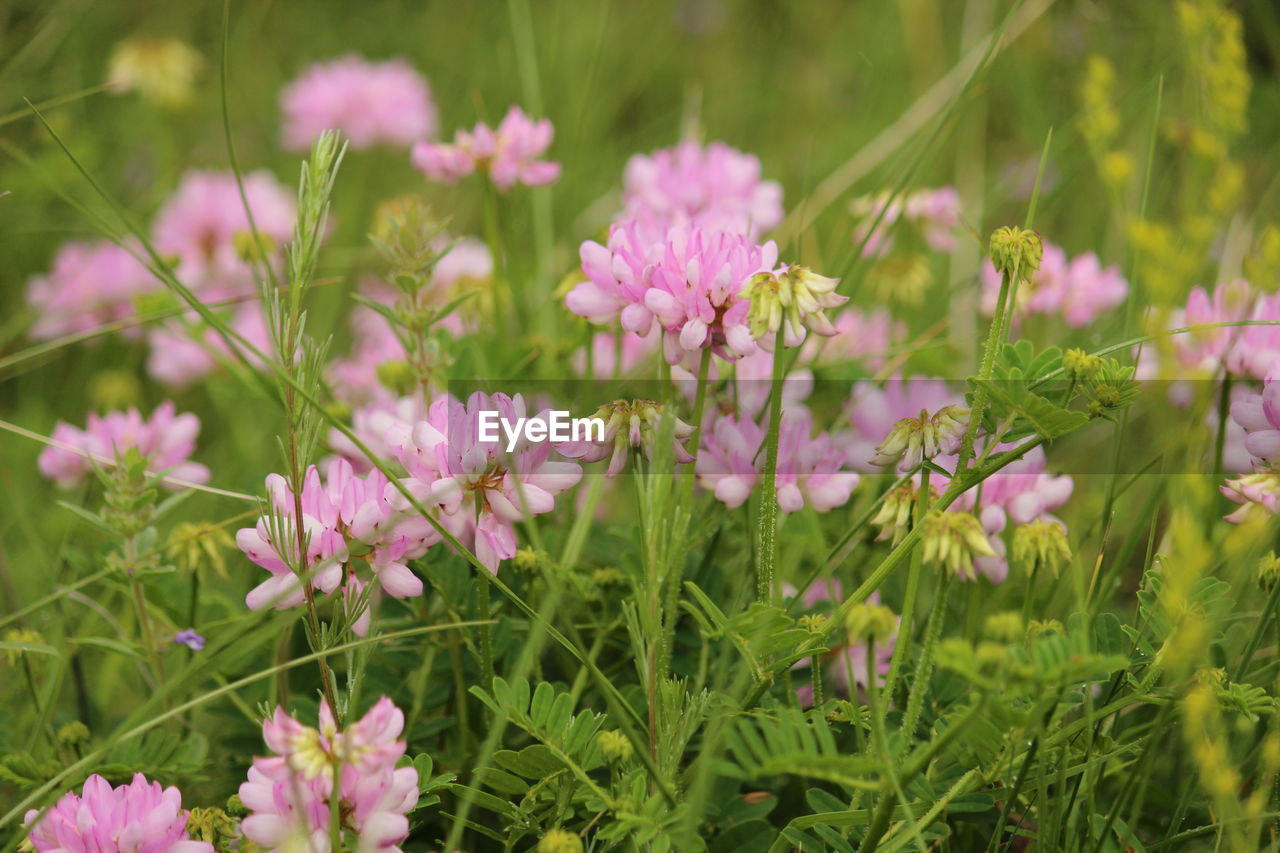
(913, 440)
(614, 746)
(629, 424)
(953, 540)
(869, 621)
(560, 841)
(1005, 627)
(894, 517)
(1016, 252)
(1041, 544)
(1268, 573)
(797, 296)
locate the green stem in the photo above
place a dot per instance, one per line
(767, 555)
(486, 633)
(901, 651)
(995, 336)
(924, 665)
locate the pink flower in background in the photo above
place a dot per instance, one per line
(481, 489)
(931, 216)
(370, 103)
(1252, 351)
(825, 596)
(1078, 290)
(1259, 415)
(344, 516)
(810, 467)
(291, 794)
(89, 285)
(753, 383)
(180, 355)
(865, 337)
(141, 817)
(166, 440)
(355, 378)
(715, 187)
(687, 280)
(605, 349)
(509, 154)
(371, 422)
(1021, 492)
(873, 411)
(202, 221)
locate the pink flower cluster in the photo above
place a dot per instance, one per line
(370, 103)
(290, 794)
(141, 817)
(91, 284)
(730, 463)
(1078, 290)
(509, 154)
(1259, 416)
(932, 215)
(204, 227)
(687, 279)
(344, 517)
(715, 187)
(1244, 351)
(480, 489)
(165, 439)
(865, 337)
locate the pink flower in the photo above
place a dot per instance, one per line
(860, 336)
(931, 216)
(753, 383)
(873, 411)
(1257, 491)
(606, 347)
(201, 221)
(688, 280)
(370, 103)
(509, 154)
(810, 468)
(1259, 415)
(343, 516)
(481, 489)
(1079, 290)
(1252, 351)
(290, 795)
(716, 187)
(141, 817)
(181, 354)
(371, 423)
(91, 284)
(166, 440)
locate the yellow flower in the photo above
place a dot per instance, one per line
(161, 70)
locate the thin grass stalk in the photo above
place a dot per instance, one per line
(767, 556)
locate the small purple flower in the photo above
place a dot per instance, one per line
(190, 639)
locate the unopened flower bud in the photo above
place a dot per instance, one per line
(615, 746)
(797, 296)
(72, 733)
(953, 539)
(915, 439)
(1080, 365)
(1268, 572)
(1016, 251)
(397, 376)
(1005, 627)
(560, 841)
(870, 621)
(1041, 544)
